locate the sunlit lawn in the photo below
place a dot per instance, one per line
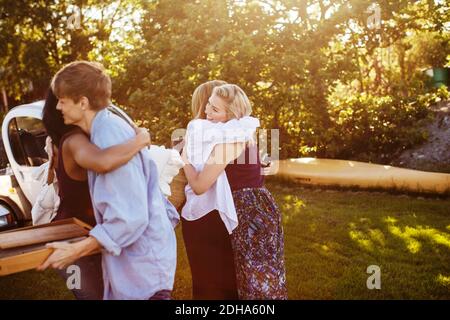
(331, 237)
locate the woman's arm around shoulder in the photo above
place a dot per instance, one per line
(88, 156)
(220, 157)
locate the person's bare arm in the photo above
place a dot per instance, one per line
(221, 156)
(88, 156)
(65, 253)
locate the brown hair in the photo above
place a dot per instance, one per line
(83, 79)
(200, 97)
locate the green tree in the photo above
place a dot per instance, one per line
(39, 37)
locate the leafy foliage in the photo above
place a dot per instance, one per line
(332, 81)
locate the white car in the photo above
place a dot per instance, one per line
(23, 138)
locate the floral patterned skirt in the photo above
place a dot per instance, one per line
(258, 246)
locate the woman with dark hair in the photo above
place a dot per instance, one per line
(74, 155)
(53, 119)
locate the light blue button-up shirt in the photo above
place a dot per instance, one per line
(133, 224)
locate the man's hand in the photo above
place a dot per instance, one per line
(63, 255)
(143, 136)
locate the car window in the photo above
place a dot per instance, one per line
(30, 124)
(27, 137)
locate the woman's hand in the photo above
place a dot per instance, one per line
(143, 136)
(64, 254)
(179, 144)
(184, 156)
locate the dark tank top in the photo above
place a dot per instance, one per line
(245, 171)
(75, 200)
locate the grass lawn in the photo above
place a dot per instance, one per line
(331, 237)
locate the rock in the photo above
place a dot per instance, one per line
(433, 155)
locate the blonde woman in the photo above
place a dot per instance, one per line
(207, 241)
(257, 241)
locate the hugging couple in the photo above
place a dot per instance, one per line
(107, 179)
(230, 222)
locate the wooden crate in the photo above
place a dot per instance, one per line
(24, 249)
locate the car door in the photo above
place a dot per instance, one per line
(24, 137)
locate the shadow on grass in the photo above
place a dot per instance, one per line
(333, 236)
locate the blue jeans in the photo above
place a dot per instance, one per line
(91, 278)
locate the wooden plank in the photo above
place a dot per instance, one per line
(41, 235)
(23, 262)
(24, 249)
(53, 223)
(21, 250)
(27, 258)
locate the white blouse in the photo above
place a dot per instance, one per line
(201, 137)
